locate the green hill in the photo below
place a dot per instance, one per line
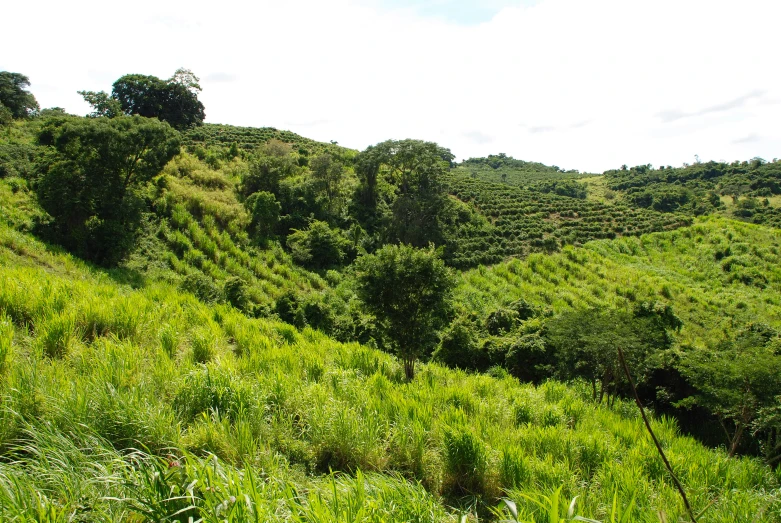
(215, 362)
(716, 274)
(242, 419)
(747, 191)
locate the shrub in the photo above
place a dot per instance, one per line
(202, 287)
(459, 347)
(236, 293)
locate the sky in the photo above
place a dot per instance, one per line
(581, 84)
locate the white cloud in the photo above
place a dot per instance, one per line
(594, 78)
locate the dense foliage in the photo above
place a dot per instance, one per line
(177, 345)
(174, 100)
(698, 188)
(409, 291)
(88, 182)
(15, 100)
(719, 279)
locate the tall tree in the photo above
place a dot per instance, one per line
(88, 184)
(13, 95)
(328, 173)
(409, 291)
(174, 100)
(404, 176)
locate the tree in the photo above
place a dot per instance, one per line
(404, 176)
(174, 100)
(89, 181)
(14, 97)
(409, 291)
(584, 343)
(738, 380)
(329, 174)
(272, 164)
(102, 104)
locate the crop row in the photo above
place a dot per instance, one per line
(522, 221)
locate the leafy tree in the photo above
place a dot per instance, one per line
(89, 181)
(738, 380)
(264, 209)
(174, 100)
(16, 100)
(404, 176)
(272, 164)
(102, 104)
(409, 291)
(584, 343)
(328, 173)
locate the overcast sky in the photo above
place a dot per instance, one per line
(582, 84)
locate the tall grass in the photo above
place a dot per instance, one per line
(176, 409)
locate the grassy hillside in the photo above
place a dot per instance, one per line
(745, 191)
(717, 274)
(241, 419)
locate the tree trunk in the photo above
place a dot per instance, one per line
(409, 368)
(733, 448)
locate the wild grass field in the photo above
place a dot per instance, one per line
(149, 405)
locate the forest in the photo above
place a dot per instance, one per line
(203, 322)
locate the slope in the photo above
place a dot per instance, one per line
(241, 419)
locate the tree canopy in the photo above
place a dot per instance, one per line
(88, 180)
(174, 100)
(14, 97)
(402, 178)
(408, 290)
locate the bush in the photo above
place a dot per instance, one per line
(501, 321)
(459, 347)
(318, 247)
(236, 293)
(202, 287)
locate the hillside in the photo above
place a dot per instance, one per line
(747, 191)
(517, 222)
(240, 419)
(716, 274)
(186, 332)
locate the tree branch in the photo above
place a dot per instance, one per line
(653, 436)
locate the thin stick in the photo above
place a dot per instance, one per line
(653, 436)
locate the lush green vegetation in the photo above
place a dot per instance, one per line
(721, 279)
(256, 327)
(696, 189)
(240, 419)
(516, 222)
(174, 101)
(217, 136)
